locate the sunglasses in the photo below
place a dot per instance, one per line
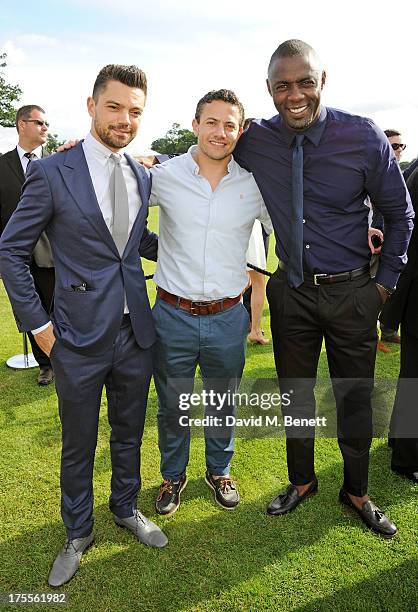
(397, 145)
(38, 122)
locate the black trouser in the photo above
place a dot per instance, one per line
(404, 419)
(345, 315)
(44, 279)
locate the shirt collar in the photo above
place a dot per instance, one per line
(97, 149)
(195, 168)
(313, 134)
(21, 152)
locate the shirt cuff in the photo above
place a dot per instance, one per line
(387, 278)
(40, 329)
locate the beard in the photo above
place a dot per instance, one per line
(305, 122)
(298, 125)
(109, 138)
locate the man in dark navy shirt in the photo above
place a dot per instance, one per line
(322, 287)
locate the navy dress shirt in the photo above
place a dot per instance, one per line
(346, 158)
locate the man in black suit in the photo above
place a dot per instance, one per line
(403, 308)
(33, 131)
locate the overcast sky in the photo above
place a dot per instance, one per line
(55, 50)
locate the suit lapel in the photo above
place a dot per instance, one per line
(77, 177)
(15, 165)
(143, 189)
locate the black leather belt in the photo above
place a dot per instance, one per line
(328, 279)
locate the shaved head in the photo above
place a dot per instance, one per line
(296, 48)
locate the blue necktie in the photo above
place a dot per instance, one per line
(295, 267)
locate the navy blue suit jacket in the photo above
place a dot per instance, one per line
(58, 197)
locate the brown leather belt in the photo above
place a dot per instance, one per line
(200, 309)
(327, 279)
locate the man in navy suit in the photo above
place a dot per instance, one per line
(92, 203)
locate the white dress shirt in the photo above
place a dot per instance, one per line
(24, 160)
(100, 168)
(204, 234)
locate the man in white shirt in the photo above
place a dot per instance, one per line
(208, 205)
(93, 204)
(32, 129)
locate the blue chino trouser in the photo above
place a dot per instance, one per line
(217, 343)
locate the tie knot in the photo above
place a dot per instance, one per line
(30, 156)
(116, 158)
(299, 138)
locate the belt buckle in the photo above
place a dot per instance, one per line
(193, 306)
(316, 276)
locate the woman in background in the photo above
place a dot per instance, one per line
(256, 256)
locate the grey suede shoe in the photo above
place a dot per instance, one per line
(68, 560)
(145, 530)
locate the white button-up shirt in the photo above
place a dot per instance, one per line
(204, 234)
(100, 168)
(24, 160)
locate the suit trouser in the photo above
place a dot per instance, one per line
(44, 279)
(344, 315)
(125, 371)
(404, 421)
(217, 343)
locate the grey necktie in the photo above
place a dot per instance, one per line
(120, 204)
(30, 157)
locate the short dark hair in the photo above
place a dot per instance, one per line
(247, 122)
(292, 48)
(224, 95)
(390, 133)
(132, 76)
(24, 112)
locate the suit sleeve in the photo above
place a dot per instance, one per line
(148, 247)
(394, 308)
(17, 242)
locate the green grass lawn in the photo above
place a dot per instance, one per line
(320, 557)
